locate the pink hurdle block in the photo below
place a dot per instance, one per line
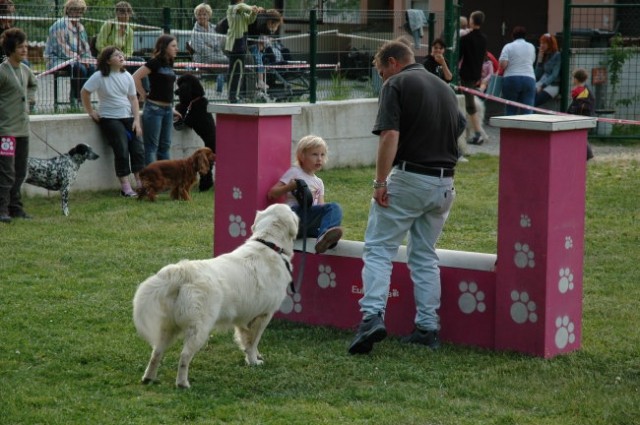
(541, 208)
(529, 301)
(253, 149)
(332, 286)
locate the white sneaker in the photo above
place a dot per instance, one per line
(461, 158)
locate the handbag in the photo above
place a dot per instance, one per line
(222, 26)
(92, 46)
(303, 195)
(494, 88)
(92, 42)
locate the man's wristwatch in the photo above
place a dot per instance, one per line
(379, 184)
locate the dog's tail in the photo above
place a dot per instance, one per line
(154, 301)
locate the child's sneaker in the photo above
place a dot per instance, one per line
(328, 239)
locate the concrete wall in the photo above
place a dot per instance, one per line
(51, 134)
(345, 125)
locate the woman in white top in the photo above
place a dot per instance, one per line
(519, 79)
(118, 115)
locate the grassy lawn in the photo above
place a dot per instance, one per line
(69, 353)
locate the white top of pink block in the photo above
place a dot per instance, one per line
(255, 109)
(448, 258)
(542, 122)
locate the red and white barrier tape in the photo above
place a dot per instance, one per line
(533, 108)
(294, 65)
(290, 65)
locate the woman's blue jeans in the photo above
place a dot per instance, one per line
(519, 89)
(157, 125)
(320, 218)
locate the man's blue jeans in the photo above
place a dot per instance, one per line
(157, 125)
(419, 205)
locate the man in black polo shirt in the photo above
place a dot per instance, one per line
(473, 48)
(418, 123)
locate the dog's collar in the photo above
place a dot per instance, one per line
(271, 245)
(282, 252)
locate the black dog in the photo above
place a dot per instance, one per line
(193, 108)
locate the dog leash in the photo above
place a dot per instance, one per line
(45, 142)
(303, 197)
(280, 251)
(189, 107)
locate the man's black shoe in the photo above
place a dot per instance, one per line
(20, 214)
(429, 338)
(370, 331)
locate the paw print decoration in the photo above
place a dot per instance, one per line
(471, 299)
(291, 303)
(237, 227)
(523, 309)
(326, 277)
(523, 257)
(565, 332)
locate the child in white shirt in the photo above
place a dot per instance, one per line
(322, 219)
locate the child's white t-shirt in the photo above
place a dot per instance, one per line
(113, 93)
(314, 182)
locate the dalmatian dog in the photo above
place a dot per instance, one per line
(60, 172)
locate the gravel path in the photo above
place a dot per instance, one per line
(609, 152)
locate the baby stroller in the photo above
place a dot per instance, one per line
(288, 80)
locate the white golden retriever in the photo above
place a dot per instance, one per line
(241, 289)
(469, 131)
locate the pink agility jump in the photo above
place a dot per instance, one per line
(527, 298)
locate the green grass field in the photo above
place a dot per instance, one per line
(69, 353)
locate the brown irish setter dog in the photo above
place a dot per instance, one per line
(175, 174)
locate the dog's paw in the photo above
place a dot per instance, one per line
(183, 385)
(257, 361)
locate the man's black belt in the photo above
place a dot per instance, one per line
(423, 169)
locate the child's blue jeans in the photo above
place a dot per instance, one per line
(320, 218)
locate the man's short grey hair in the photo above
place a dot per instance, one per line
(396, 49)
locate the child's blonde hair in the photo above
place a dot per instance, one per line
(311, 142)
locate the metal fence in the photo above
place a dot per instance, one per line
(605, 41)
(339, 68)
(336, 64)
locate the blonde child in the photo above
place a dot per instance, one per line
(322, 219)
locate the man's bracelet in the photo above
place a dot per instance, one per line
(378, 185)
